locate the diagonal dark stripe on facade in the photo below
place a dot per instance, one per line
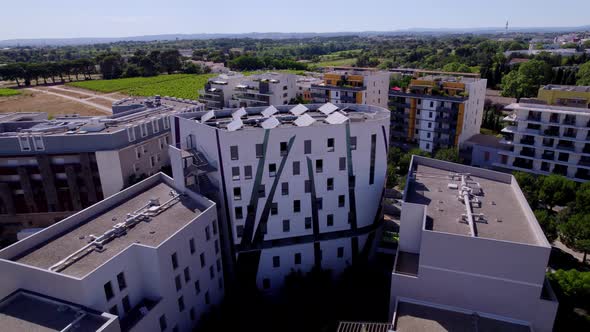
(314, 202)
(351, 182)
(259, 234)
(385, 139)
(251, 212)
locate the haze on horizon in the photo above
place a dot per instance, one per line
(116, 18)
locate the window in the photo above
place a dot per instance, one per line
(239, 230)
(217, 246)
(137, 153)
(181, 304)
(276, 261)
(307, 222)
(340, 252)
(247, 172)
(320, 203)
(373, 156)
(286, 225)
(121, 281)
(319, 166)
(202, 259)
(187, 274)
(330, 220)
(177, 282)
(342, 163)
(152, 161)
(235, 173)
(353, 142)
(143, 129)
(238, 212)
(298, 258)
(113, 310)
(261, 191)
(126, 304)
(330, 145)
(108, 291)
(486, 156)
(284, 148)
(296, 206)
(207, 233)
(429, 124)
(427, 135)
(131, 134)
(166, 122)
(174, 259)
(233, 151)
(296, 170)
(307, 146)
(272, 170)
(207, 299)
(38, 143)
(214, 226)
(211, 272)
(163, 324)
(307, 185)
(285, 188)
(266, 283)
(341, 200)
(191, 245)
(191, 313)
(330, 184)
(197, 287)
(427, 146)
(274, 209)
(430, 115)
(155, 125)
(161, 143)
(259, 150)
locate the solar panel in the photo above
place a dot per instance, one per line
(328, 108)
(270, 123)
(235, 125)
(298, 110)
(208, 116)
(269, 111)
(336, 118)
(239, 113)
(304, 120)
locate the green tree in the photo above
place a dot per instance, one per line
(556, 190)
(526, 81)
(575, 233)
(528, 183)
(456, 67)
(573, 284)
(583, 74)
(548, 224)
(170, 61)
(449, 154)
(111, 66)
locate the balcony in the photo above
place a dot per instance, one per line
(527, 152)
(586, 149)
(137, 313)
(554, 118)
(565, 146)
(548, 142)
(548, 156)
(584, 161)
(528, 141)
(552, 131)
(570, 133)
(569, 121)
(523, 163)
(534, 117)
(338, 87)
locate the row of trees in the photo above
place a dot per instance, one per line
(63, 70)
(251, 62)
(398, 162)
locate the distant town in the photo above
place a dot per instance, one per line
(351, 182)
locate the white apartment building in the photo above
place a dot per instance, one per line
(145, 259)
(547, 139)
(471, 254)
(298, 186)
(437, 110)
(264, 90)
(365, 86)
(219, 90)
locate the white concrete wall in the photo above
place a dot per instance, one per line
(411, 226)
(109, 169)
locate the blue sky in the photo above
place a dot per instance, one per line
(116, 18)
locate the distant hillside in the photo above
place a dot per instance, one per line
(277, 35)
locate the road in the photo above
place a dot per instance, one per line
(89, 94)
(82, 101)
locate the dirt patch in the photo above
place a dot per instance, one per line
(69, 93)
(41, 102)
(101, 101)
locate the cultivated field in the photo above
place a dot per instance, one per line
(8, 92)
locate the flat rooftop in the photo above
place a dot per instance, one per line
(537, 107)
(572, 88)
(412, 317)
(152, 232)
(503, 214)
(24, 311)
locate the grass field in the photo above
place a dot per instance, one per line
(9, 92)
(178, 85)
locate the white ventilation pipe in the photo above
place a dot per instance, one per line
(464, 191)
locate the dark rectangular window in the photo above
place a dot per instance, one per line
(233, 151)
(202, 259)
(108, 291)
(247, 172)
(266, 283)
(298, 258)
(240, 230)
(342, 163)
(307, 146)
(238, 212)
(207, 299)
(307, 222)
(274, 209)
(163, 324)
(235, 173)
(181, 304)
(284, 147)
(217, 246)
(276, 261)
(211, 272)
(214, 226)
(340, 252)
(259, 150)
(261, 191)
(373, 153)
(174, 259)
(207, 233)
(307, 185)
(218, 265)
(191, 245)
(320, 203)
(126, 304)
(330, 220)
(341, 200)
(237, 193)
(121, 281)
(353, 142)
(272, 170)
(187, 274)
(286, 225)
(319, 166)
(296, 168)
(330, 145)
(296, 206)
(197, 287)
(285, 188)
(330, 184)
(177, 282)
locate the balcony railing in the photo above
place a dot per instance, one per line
(527, 141)
(527, 153)
(570, 134)
(548, 156)
(566, 147)
(569, 122)
(552, 132)
(531, 117)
